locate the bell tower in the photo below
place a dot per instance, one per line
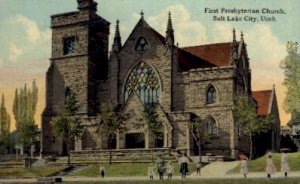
(78, 61)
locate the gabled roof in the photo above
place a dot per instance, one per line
(218, 54)
(264, 101)
(143, 24)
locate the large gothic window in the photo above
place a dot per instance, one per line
(211, 96)
(142, 44)
(144, 82)
(211, 126)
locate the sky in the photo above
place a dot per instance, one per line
(26, 35)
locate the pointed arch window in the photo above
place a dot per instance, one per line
(211, 95)
(211, 126)
(144, 82)
(142, 44)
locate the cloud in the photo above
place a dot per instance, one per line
(34, 34)
(187, 31)
(266, 53)
(14, 53)
(222, 33)
(28, 45)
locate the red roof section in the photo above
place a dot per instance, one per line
(263, 99)
(189, 61)
(218, 54)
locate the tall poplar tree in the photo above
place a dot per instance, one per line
(24, 106)
(4, 119)
(291, 67)
(24, 109)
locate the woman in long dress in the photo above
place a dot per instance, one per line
(151, 171)
(170, 170)
(285, 168)
(244, 167)
(270, 168)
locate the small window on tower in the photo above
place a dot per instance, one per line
(211, 95)
(142, 44)
(70, 45)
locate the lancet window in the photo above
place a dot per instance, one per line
(211, 96)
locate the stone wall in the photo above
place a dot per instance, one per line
(127, 154)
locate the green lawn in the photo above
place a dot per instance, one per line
(259, 164)
(208, 181)
(27, 173)
(124, 169)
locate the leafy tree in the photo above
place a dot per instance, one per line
(5, 143)
(154, 125)
(24, 105)
(24, 109)
(198, 129)
(291, 67)
(4, 119)
(29, 136)
(66, 123)
(112, 121)
(248, 121)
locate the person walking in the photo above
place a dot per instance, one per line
(151, 171)
(244, 166)
(160, 167)
(170, 170)
(183, 162)
(102, 170)
(285, 168)
(198, 168)
(270, 168)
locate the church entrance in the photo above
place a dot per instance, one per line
(135, 140)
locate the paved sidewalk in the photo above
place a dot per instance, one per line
(18, 180)
(145, 178)
(216, 169)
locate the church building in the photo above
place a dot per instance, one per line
(147, 70)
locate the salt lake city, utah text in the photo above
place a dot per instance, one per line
(248, 15)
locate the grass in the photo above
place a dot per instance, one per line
(124, 169)
(208, 181)
(259, 164)
(6, 173)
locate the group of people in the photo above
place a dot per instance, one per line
(161, 167)
(168, 168)
(270, 167)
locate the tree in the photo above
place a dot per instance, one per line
(198, 128)
(66, 123)
(4, 128)
(24, 109)
(248, 121)
(152, 122)
(24, 105)
(4, 119)
(29, 137)
(291, 67)
(111, 121)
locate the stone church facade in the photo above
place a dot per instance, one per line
(183, 83)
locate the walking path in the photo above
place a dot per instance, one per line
(216, 170)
